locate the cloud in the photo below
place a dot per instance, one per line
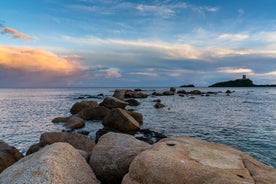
(31, 67)
(235, 70)
(16, 34)
(233, 37)
(163, 11)
(148, 74)
(112, 74)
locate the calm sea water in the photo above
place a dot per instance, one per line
(245, 120)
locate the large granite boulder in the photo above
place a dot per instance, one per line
(135, 94)
(112, 156)
(79, 141)
(112, 102)
(74, 123)
(137, 116)
(119, 119)
(119, 94)
(191, 161)
(8, 155)
(57, 163)
(79, 106)
(94, 113)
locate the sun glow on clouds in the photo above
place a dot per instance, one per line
(24, 66)
(235, 70)
(16, 34)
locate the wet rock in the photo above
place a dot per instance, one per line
(137, 116)
(195, 92)
(8, 155)
(120, 120)
(79, 106)
(187, 160)
(135, 94)
(156, 100)
(173, 89)
(112, 156)
(57, 163)
(112, 102)
(181, 92)
(78, 141)
(168, 93)
(159, 105)
(119, 94)
(94, 113)
(132, 102)
(74, 123)
(60, 119)
(157, 94)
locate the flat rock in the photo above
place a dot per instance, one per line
(8, 155)
(112, 102)
(78, 141)
(192, 161)
(57, 163)
(113, 154)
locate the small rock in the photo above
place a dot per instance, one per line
(60, 119)
(112, 102)
(132, 102)
(8, 155)
(159, 105)
(74, 123)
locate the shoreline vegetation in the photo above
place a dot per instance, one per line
(123, 152)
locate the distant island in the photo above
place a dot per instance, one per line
(243, 82)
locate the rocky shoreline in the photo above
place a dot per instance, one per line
(123, 152)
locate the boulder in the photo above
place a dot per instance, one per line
(94, 113)
(181, 92)
(137, 116)
(112, 102)
(57, 163)
(191, 161)
(173, 89)
(79, 141)
(168, 93)
(8, 155)
(79, 106)
(119, 94)
(195, 92)
(112, 156)
(120, 120)
(60, 119)
(74, 123)
(135, 94)
(132, 102)
(157, 94)
(159, 105)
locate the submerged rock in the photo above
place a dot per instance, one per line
(187, 160)
(57, 163)
(159, 105)
(8, 155)
(112, 156)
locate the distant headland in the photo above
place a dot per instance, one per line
(243, 82)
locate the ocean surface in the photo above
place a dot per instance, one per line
(245, 120)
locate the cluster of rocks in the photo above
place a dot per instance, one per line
(65, 157)
(122, 152)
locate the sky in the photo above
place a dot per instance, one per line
(124, 43)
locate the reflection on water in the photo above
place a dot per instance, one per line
(246, 119)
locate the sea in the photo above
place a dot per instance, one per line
(245, 119)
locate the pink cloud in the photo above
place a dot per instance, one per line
(16, 34)
(112, 74)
